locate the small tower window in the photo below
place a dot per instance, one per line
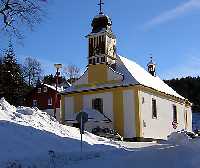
(97, 104)
(102, 59)
(97, 60)
(93, 61)
(154, 109)
(90, 61)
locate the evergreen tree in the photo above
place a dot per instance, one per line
(12, 85)
(189, 88)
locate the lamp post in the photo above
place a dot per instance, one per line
(57, 66)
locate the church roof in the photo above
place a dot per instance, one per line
(133, 74)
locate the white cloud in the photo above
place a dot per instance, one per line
(188, 67)
(186, 7)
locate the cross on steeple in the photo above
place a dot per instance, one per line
(100, 6)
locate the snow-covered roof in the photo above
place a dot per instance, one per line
(59, 89)
(133, 74)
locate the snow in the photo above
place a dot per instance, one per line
(196, 121)
(27, 135)
(27, 131)
(59, 89)
(180, 138)
(139, 75)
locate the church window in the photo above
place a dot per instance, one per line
(93, 61)
(154, 108)
(100, 39)
(103, 59)
(90, 61)
(97, 60)
(174, 113)
(97, 104)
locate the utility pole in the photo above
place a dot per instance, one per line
(57, 66)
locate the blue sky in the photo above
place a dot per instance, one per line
(170, 30)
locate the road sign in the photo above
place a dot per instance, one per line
(82, 118)
(82, 115)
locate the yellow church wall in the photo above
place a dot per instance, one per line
(97, 73)
(118, 111)
(118, 106)
(78, 102)
(137, 112)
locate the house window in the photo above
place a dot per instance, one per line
(154, 108)
(45, 89)
(39, 90)
(49, 101)
(97, 104)
(34, 103)
(174, 113)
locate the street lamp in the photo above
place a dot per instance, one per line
(57, 66)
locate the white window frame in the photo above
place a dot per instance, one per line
(49, 101)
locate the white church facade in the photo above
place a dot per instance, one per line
(119, 94)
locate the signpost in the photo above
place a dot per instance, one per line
(82, 118)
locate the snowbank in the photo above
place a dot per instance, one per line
(196, 121)
(28, 135)
(179, 138)
(27, 132)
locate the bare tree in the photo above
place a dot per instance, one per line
(17, 14)
(72, 72)
(31, 70)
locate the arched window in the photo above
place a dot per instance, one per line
(97, 104)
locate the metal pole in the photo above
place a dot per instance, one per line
(56, 93)
(81, 134)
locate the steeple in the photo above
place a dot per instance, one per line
(101, 40)
(151, 67)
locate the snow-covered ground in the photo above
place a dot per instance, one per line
(196, 121)
(28, 135)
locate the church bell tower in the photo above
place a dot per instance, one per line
(101, 41)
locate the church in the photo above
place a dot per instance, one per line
(119, 94)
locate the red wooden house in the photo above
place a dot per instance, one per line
(43, 97)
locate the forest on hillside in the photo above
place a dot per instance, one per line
(188, 87)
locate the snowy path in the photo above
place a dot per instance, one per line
(165, 156)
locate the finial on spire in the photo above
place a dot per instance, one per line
(100, 7)
(151, 66)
